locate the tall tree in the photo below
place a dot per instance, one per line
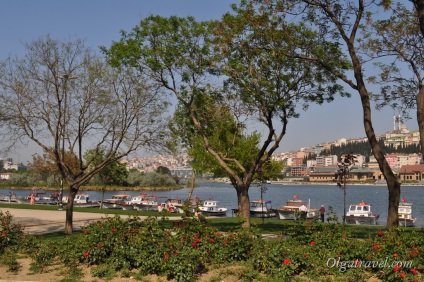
(398, 45)
(262, 88)
(341, 22)
(65, 99)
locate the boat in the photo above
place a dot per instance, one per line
(212, 208)
(260, 208)
(9, 198)
(172, 205)
(405, 214)
(116, 202)
(292, 210)
(82, 200)
(177, 205)
(142, 202)
(361, 213)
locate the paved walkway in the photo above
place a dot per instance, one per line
(38, 222)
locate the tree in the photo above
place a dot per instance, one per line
(113, 173)
(67, 100)
(163, 170)
(398, 45)
(262, 88)
(341, 22)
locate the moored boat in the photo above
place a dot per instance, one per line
(292, 210)
(405, 214)
(361, 213)
(116, 202)
(177, 205)
(82, 200)
(212, 208)
(260, 208)
(142, 202)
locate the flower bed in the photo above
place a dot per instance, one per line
(134, 248)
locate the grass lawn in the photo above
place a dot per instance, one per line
(264, 226)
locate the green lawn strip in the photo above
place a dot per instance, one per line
(225, 224)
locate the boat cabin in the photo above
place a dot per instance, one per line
(361, 209)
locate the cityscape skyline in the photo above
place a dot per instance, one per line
(100, 22)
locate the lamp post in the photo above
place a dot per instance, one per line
(263, 190)
(345, 165)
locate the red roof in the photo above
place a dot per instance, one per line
(411, 168)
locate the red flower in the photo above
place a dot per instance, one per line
(197, 240)
(184, 239)
(86, 254)
(4, 234)
(397, 268)
(212, 240)
(286, 261)
(312, 243)
(219, 234)
(113, 230)
(166, 256)
(225, 243)
(395, 254)
(414, 271)
(194, 244)
(99, 246)
(376, 247)
(306, 256)
(402, 274)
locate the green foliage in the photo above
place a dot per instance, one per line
(11, 234)
(112, 174)
(150, 179)
(11, 239)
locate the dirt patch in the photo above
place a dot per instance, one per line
(232, 273)
(55, 273)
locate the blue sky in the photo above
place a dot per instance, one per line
(99, 22)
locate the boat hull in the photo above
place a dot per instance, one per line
(362, 220)
(407, 222)
(295, 215)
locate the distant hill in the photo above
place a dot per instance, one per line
(364, 148)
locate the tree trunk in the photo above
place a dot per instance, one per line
(394, 197)
(193, 180)
(420, 119)
(69, 210)
(393, 184)
(244, 205)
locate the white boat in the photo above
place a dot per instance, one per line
(291, 210)
(212, 208)
(116, 201)
(260, 208)
(405, 214)
(142, 202)
(172, 205)
(361, 213)
(82, 201)
(177, 205)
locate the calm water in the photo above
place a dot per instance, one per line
(327, 195)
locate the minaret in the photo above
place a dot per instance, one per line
(394, 122)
